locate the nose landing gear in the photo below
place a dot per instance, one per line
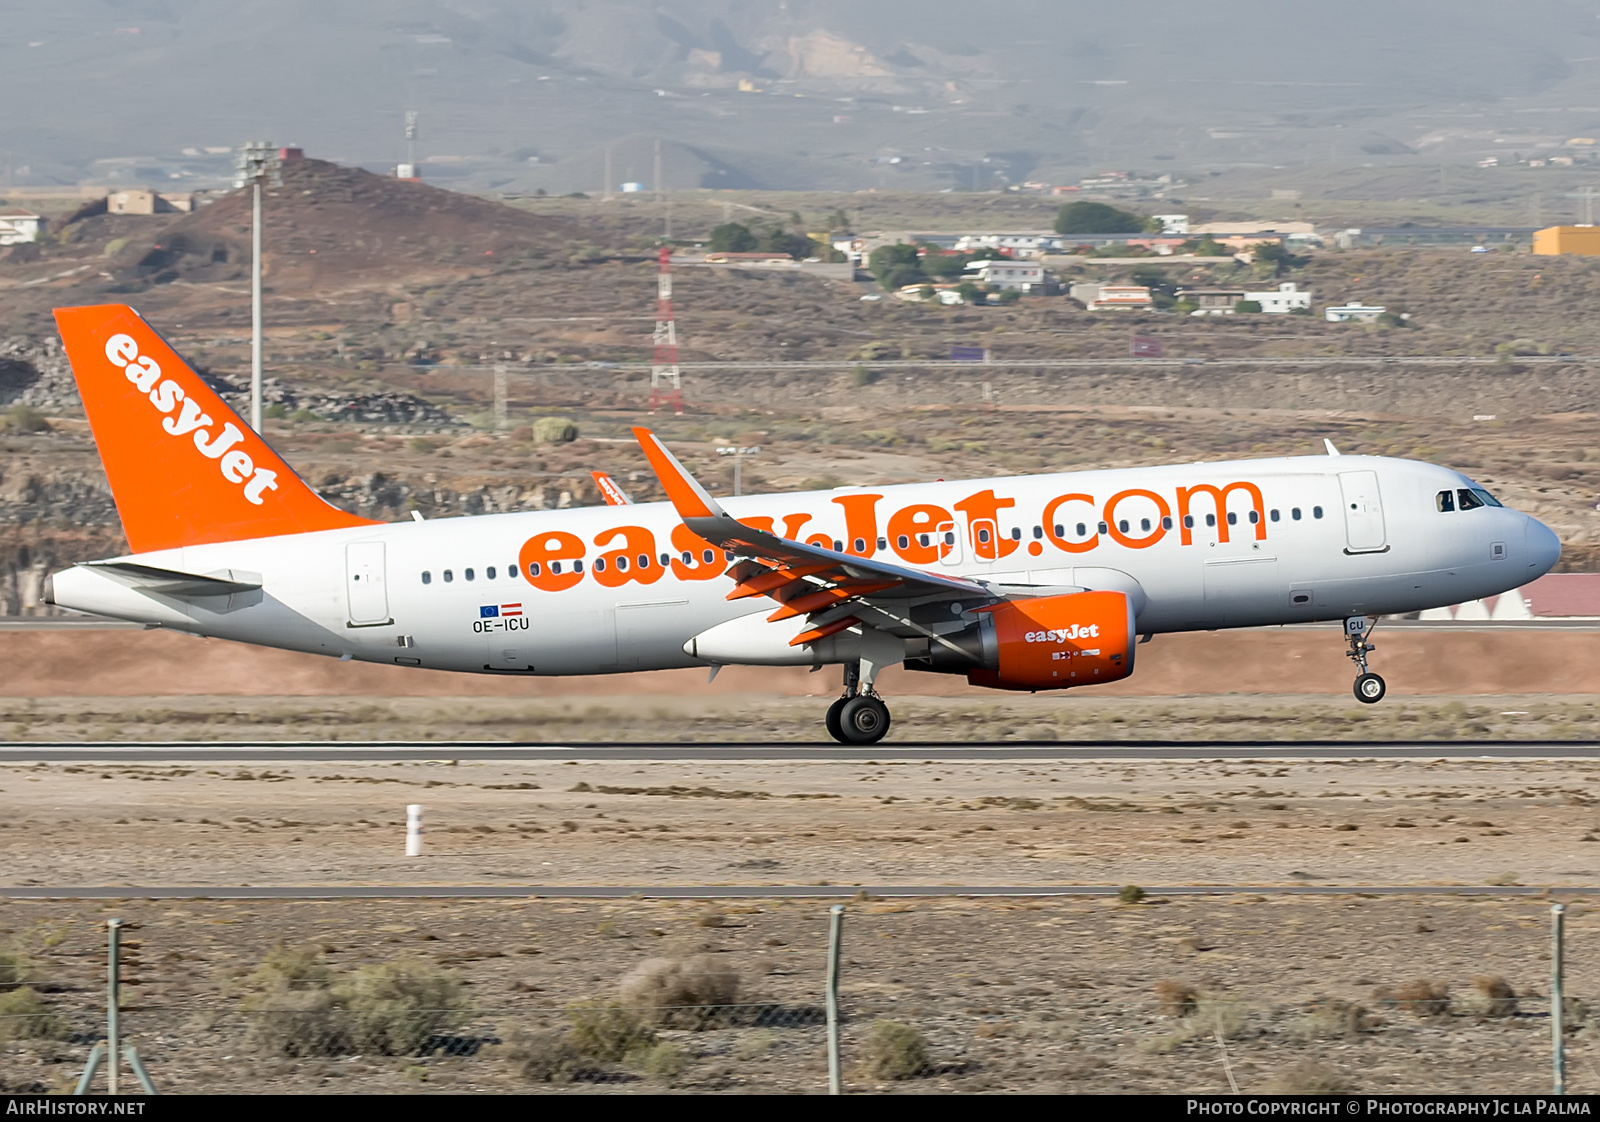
(860, 716)
(1369, 688)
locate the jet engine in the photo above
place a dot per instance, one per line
(1047, 643)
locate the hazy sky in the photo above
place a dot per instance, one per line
(765, 92)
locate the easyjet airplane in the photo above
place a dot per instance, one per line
(1022, 583)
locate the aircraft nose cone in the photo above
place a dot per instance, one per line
(1544, 548)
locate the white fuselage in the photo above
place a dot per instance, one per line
(1329, 537)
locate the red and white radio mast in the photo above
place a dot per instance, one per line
(666, 384)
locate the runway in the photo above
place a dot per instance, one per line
(303, 751)
(750, 892)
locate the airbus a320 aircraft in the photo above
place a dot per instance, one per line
(1021, 583)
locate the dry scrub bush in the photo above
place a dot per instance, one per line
(1327, 1018)
(24, 1017)
(606, 1031)
(895, 1051)
(1308, 1077)
(394, 1007)
(14, 967)
(674, 989)
(301, 1007)
(1499, 999)
(663, 1060)
(541, 1055)
(554, 430)
(1178, 999)
(1421, 998)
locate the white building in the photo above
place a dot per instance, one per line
(19, 226)
(1282, 300)
(1007, 276)
(1018, 245)
(1173, 223)
(1353, 313)
(1107, 297)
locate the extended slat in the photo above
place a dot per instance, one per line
(823, 632)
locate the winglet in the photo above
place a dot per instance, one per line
(613, 495)
(690, 499)
(1328, 444)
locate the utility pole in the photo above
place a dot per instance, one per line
(658, 171)
(738, 455)
(605, 188)
(411, 144)
(257, 161)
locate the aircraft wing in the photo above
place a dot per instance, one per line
(835, 589)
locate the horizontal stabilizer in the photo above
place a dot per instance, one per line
(171, 582)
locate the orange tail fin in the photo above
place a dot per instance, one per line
(183, 468)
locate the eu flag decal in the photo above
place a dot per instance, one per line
(489, 611)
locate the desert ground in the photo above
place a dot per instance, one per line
(1043, 995)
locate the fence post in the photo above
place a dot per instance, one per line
(113, 1029)
(835, 932)
(1558, 1044)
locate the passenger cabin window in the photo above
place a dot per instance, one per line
(1038, 532)
(1233, 518)
(1144, 524)
(577, 566)
(644, 560)
(1295, 514)
(1316, 512)
(511, 570)
(708, 555)
(860, 545)
(600, 565)
(468, 574)
(1166, 522)
(1254, 518)
(902, 542)
(489, 572)
(1102, 527)
(1016, 533)
(448, 576)
(1082, 530)
(534, 568)
(1123, 525)
(1188, 521)
(1211, 520)
(1274, 515)
(983, 535)
(427, 577)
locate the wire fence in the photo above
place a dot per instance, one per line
(297, 1022)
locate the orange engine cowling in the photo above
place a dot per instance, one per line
(1055, 642)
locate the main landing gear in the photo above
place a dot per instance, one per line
(1369, 688)
(860, 716)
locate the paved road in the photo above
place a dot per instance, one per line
(267, 751)
(1053, 363)
(745, 892)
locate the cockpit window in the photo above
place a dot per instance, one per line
(1488, 499)
(1469, 499)
(1446, 501)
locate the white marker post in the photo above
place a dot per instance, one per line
(414, 830)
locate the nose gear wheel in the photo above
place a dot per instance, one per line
(1369, 688)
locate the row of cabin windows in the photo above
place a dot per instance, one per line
(1145, 525)
(1469, 498)
(643, 561)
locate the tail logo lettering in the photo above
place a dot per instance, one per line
(165, 397)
